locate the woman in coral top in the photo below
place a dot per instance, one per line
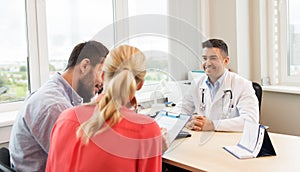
(109, 135)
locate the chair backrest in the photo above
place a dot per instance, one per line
(258, 92)
(5, 160)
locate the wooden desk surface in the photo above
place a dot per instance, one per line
(204, 152)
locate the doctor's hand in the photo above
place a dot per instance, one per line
(200, 123)
(196, 123)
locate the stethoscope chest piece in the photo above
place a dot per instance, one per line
(202, 105)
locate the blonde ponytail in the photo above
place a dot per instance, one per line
(123, 69)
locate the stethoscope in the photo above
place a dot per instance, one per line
(202, 105)
(227, 93)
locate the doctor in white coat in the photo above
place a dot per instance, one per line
(221, 100)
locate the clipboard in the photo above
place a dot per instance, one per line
(173, 122)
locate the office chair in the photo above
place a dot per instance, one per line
(258, 93)
(5, 160)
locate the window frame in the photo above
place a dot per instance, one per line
(37, 43)
(283, 45)
(37, 48)
(34, 10)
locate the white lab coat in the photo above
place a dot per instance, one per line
(244, 101)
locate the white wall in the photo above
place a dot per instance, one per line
(281, 112)
(5, 134)
(230, 21)
(223, 25)
(186, 37)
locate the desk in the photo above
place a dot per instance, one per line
(196, 154)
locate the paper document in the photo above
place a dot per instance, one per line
(172, 122)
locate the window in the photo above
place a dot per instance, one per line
(43, 34)
(294, 38)
(13, 58)
(285, 42)
(154, 46)
(72, 22)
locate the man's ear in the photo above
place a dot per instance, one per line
(84, 65)
(226, 60)
(140, 85)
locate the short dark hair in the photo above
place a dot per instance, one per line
(216, 43)
(93, 50)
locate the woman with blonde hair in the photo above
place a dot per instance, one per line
(108, 135)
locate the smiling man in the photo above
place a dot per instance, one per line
(221, 100)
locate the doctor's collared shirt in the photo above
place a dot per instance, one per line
(29, 141)
(213, 89)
